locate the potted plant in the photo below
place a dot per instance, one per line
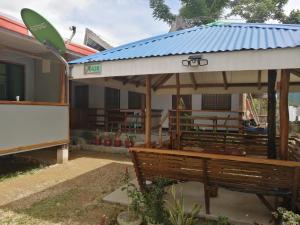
(117, 140)
(153, 202)
(97, 138)
(107, 140)
(88, 136)
(129, 141)
(133, 214)
(285, 217)
(176, 211)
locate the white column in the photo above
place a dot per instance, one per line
(63, 154)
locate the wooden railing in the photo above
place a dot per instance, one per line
(126, 120)
(294, 149)
(199, 120)
(250, 144)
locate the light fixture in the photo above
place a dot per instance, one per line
(194, 60)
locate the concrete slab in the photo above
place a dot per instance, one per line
(240, 208)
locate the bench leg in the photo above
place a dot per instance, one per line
(207, 200)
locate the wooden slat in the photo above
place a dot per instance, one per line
(257, 176)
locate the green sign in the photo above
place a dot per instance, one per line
(92, 68)
(42, 30)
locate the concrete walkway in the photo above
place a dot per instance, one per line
(80, 163)
(240, 208)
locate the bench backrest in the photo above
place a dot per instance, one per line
(251, 144)
(254, 175)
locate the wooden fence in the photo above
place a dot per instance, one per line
(197, 120)
(126, 120)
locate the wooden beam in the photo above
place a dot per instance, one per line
(259, 80)
(225, 80)
(272, 153)
(148, 127)
(129, 80)
(177, 110)
(296, 72)
(211, 85)
(284, 114)
(163, 81)
(193, 79)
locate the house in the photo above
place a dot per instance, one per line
(34, 109)
(96, 103)
(229, 58)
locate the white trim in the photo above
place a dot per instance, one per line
(227, 61)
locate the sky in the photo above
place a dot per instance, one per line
(116, 21)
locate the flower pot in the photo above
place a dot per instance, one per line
(124, 218)
(117, 142)
(107, 142)
(97, 141)
(155, 223)
(128, 143)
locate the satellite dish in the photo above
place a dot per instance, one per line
(43, 31)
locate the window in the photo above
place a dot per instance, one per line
(136, 100)
(216, 102)
(12, 82)
(187, 100)
(112, 98)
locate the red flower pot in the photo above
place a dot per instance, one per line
(128, 143)
(117, 142)
(97, 141)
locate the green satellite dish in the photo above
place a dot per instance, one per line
(42, 30)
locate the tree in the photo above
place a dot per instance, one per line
(192, 12)
(293, 18)
(259, 11)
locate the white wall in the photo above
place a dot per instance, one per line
(29, 125)
(13, 57)
(47, 85)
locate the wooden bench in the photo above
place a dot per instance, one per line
(249, 143)
(263, 177)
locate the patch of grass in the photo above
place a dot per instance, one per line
(54, 207)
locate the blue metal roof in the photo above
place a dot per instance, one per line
(204, 39)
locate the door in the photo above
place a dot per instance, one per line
(112, 98)
(82, 97)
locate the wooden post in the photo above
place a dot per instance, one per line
(148, 112)
(272, 74)
(284, 114)
(62, 85)
(177, 111)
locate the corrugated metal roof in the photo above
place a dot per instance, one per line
(204, 39)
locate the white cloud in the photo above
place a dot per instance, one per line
(117, 21)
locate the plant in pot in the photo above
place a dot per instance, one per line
(154, 204)
(107, 141)
(285, 217)
(176, 211)
(88, 136)
(97, 138)
(117, 140)
(129, 141)
(133, 214)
